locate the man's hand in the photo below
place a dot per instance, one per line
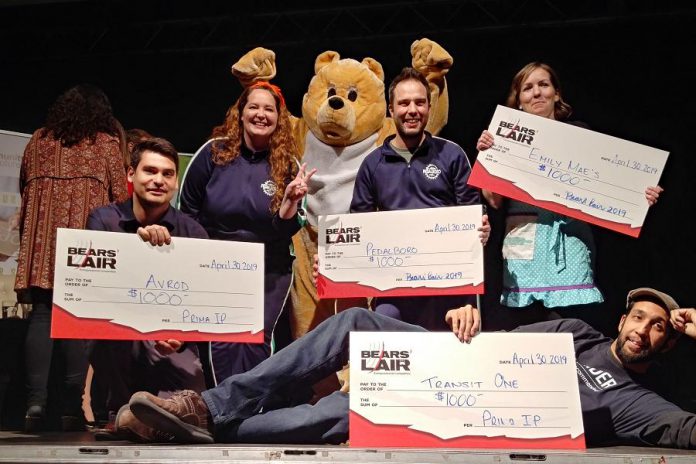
(684, 320)
(465, 322)
(155, 234)
(167, 347)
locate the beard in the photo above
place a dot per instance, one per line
(646, 354)
(410, 135)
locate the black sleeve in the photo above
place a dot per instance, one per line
(661, 423)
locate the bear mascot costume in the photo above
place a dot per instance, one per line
(343, 119)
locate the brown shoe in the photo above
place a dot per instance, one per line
(129, 427)
(185, 415)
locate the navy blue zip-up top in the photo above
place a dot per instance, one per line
(232, 202)
(436, 176)
(119, 217)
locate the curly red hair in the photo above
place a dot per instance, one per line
(282, 147)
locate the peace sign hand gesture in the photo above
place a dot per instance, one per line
(295, 191)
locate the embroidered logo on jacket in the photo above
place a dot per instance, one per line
(269, 188)
(431, 171)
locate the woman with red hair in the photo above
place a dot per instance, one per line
(244, 185)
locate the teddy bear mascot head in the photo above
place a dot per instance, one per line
(343, 120)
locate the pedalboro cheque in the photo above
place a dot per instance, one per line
(569, 170)
(115, 286)
(432, 251)
(505, 390)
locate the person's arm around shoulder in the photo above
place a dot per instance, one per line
(465, 322)
(485, 142)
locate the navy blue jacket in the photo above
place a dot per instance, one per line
(232, 202)
(119, 217)
(436, 176)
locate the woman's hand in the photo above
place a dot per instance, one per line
(652, 194)
(485, 230)
(485, 141)
(295, 191)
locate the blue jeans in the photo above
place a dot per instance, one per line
(259, 406)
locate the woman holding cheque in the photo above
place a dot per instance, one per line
(548, 258)
(244, 185)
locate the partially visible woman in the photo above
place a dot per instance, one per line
(245, 185)
(548, 258)
(71, 165)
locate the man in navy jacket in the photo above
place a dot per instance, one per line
(164, 366)
(412, 170)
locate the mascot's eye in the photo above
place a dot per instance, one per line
(352, 95)
(332, 92)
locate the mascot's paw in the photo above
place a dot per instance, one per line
(430, 59)
(256, 65)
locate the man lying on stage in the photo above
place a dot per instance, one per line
(253, 407)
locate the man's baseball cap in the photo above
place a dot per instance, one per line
(666, 300)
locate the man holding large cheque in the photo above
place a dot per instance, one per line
(617, 406)
(412, 170)
(158, 366)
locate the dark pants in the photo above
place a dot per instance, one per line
(125, 367)
(425, 311)
(249, 407)
(234, 358)
(38, 352)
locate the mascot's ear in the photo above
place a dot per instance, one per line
(374, 66)
(325, 58)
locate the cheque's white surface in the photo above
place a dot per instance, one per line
(204, 285)
(433, 247)
(597, 174)
(495, 386)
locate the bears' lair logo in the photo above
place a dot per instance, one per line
(384, 360)
(511, 130)
(343, 235)
(93, 258)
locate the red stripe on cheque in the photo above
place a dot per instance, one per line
(483, 179)
(67, 325)
(364, 433)
(327, 288)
